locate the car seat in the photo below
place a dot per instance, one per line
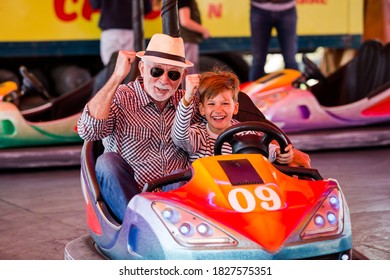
(355, 80)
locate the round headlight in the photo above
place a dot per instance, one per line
(185, 229)
(334, 202)
(319, 220)
(203, 229)
(332, 219)
(170, 215)
(167, 213)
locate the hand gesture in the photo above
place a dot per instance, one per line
(123, 63)
(192, 84)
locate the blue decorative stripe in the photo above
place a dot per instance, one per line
(56, 48)
(305, 43)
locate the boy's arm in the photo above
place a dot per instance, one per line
(183, 135)
(181, 132)
(300, 159)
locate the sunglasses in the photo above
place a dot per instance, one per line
(172, 74)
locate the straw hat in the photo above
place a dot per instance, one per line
(165, 49)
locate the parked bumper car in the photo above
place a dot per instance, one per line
(356, 95)
(34, 117)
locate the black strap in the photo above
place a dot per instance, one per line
(165, 55)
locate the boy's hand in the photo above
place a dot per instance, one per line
(192, 83)
(287, 157)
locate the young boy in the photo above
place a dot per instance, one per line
(218, 94)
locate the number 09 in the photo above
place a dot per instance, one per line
(269, 199)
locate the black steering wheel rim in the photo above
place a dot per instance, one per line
(32, 82)
(311, 70)
(270, 132)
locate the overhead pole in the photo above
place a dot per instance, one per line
(170, 26)
(138, 25)
(170, 18)
(137, 12)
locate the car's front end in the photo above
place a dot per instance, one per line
(307, 221)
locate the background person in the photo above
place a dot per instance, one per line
(265, 15)
(192, 31)
(116, 25)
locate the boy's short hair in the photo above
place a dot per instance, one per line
(212, 83)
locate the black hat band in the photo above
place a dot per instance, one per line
(165, 55)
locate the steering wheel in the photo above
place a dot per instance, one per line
(252, 143)
(184, 175)
(31, 82)
(311, 70)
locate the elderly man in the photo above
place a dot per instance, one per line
(134, 121)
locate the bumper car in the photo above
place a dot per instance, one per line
(237, 206)
(355, 95)
(34, 117)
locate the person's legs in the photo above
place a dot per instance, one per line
(287, 35)
(261, 27)
(116, 180)
(174, 186)
(113, 40)
(108, 43)
(126, 40)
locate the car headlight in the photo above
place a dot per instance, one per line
(189, 229)
(328, 219)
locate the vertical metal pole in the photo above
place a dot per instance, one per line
(170, 18)
(138, 25)
(137, 12)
